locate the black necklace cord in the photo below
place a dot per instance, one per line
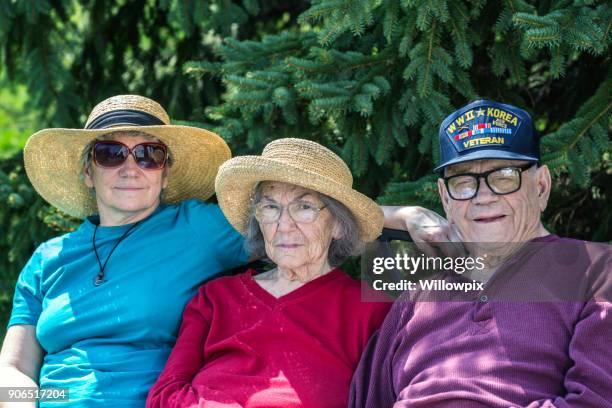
(99, 279)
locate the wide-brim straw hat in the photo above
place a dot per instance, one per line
(53, 156)
(299, 162)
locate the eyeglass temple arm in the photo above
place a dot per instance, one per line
(390, 234)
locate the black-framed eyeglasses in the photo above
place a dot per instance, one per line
(501, 181)
(303, 212)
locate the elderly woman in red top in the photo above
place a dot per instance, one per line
(293, 335)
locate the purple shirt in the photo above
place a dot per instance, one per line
(488, 353)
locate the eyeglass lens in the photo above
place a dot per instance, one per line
(148, 156)
(502, 181)
(300, 211)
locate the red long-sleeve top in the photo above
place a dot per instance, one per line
(239, 346)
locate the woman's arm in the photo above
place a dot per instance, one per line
(20, 360)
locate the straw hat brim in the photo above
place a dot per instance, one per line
(237, 178)
(53, 164)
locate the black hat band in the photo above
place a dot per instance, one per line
(127, 117)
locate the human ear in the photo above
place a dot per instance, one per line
(544, 184)
(165, 177)
(88, 176)
(336, 230)
(444, 197)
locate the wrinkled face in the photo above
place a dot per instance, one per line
(292, 245)
(488, 217)
(127, 190)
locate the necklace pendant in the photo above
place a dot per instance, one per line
(98, 281)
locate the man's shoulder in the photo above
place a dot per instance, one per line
(565, 269)
(565, 247)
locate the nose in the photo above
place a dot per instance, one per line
(285, 222)
(129, 168)
(484, 195)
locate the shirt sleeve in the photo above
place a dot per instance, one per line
(587, 382)
(372, 384)
(27, 300)
(216, 235)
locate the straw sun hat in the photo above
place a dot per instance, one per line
(53, 156)
(300, 162)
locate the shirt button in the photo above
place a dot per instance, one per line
(484, 298)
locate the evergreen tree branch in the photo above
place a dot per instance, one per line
(589, 125)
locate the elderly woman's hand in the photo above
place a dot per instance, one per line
(432, 233)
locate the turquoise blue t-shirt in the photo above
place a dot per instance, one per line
(108, 344)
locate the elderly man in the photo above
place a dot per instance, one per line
(538, 333)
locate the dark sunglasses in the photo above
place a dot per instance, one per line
(148, 155)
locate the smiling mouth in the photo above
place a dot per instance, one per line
(487, 220)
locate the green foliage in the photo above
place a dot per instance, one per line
(15, 125)
(72, 54)
(581, 145)
(25, 221)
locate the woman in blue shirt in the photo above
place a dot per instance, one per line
(97, 310)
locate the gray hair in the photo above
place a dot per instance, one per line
(347, 245)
